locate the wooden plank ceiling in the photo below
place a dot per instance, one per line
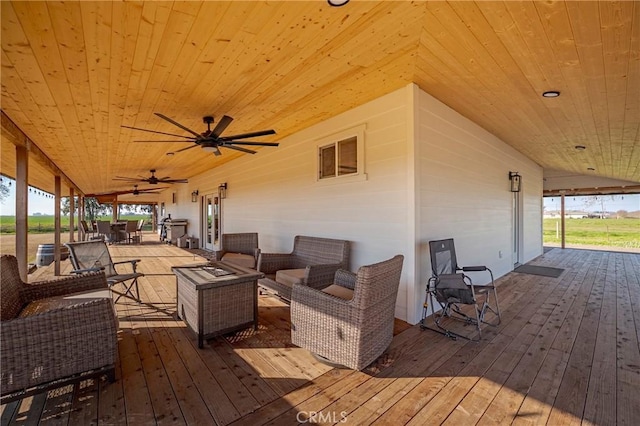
(74, 72)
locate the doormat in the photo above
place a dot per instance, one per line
(539, 270)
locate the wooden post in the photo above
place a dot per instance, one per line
(22, 208)
(56, 236)
(81, 234)
(72, 210)
(562, 229)
(114, 209)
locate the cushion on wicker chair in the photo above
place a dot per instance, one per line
(240, 259)
(40, 306)
(289, 277)
(339, 291)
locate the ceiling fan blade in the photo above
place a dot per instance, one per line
(254, 143)
(174, 181)
(184, 149)
(175, 123)
(249, 135)
(222, 124)
(155, 131)
(190, 141)
(127, 179)
(237, 148)
(153, 189)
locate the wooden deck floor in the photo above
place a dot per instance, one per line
(567, 351)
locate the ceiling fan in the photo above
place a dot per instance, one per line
(211, 140)
(134, 191)
(153, 180)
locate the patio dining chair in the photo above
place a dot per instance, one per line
(88, 256)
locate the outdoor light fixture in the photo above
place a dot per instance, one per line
(514, 177)
(222, 190)
(551, 94)
(194, 196)
(580, 147)
(337, 3)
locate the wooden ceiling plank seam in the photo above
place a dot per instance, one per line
(97, 24)
(583, 19)
(616, 27)
(230, 40)
(154, 21)
(554, 18)
(19, 138)
(300, 80)
(37, 25)
(16, 48)
(433, 50)
(631, 133)
(126, 21)
(513, 26)
(66, 18)
(292, 68)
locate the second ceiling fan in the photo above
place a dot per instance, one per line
(211, 140)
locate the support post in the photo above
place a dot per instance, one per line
(56, 236)
(22, 208)
(562, 229)
(72, 210)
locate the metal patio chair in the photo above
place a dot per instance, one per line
(452, 288)
(87, 256)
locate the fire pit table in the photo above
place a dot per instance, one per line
(216, 298)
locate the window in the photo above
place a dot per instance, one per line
(341, 155)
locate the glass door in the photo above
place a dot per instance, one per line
(211, 222)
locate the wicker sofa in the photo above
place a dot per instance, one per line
(313, 262)
(54, 332)
(351, 321)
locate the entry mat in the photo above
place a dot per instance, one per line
(539, 270)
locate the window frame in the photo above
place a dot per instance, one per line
(334, 139)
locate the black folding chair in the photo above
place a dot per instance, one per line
(451, 288)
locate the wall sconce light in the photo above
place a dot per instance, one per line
(514, 177)
(222, 190)
(194, 196)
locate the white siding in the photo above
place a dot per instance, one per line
(431, 174)
(463, 192)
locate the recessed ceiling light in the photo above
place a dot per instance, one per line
(337, 3)
(580, 147)
(551, 94)
(170, 154)
(590, 168)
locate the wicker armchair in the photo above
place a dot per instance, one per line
(313, 262)
(54, 332)
(350, 322)
(241, 249)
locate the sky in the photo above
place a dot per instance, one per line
(37, 203)
(611, 203)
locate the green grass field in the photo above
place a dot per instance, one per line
(597, 232)
(44, 224)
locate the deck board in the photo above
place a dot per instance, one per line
(567, 351)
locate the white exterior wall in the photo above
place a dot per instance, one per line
(462, 192)
(452, 182)
(275, 192)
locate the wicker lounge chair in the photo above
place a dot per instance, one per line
(54, 332)
(350, 322)
(313, 262)
(241, 249)
(87, 256)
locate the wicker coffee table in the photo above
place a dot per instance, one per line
(216, 298)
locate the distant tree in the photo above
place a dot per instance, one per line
(598, 201)
(92, 209)
(4, 190)
(622, 214)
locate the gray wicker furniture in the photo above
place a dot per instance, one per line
(313, 262)
(350, 322)
(216, 298)
(54, 332)
(88, 256)
(240, 249)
